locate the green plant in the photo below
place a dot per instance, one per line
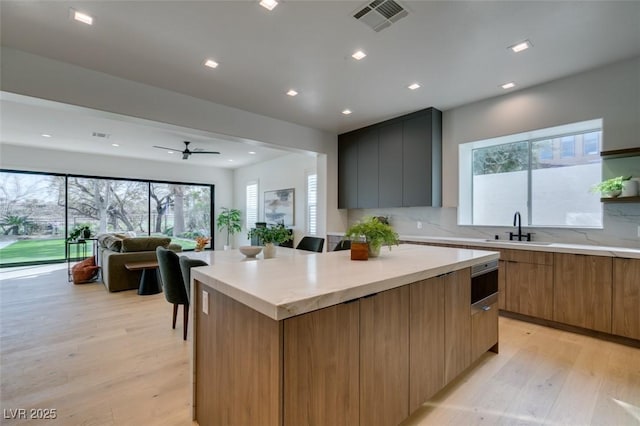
(229, 219)
(276, 234)
(81, 230)
(610, 185)
(374, 231)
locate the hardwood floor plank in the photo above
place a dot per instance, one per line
(104, 358)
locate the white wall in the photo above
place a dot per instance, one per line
(610, 92)
(52, 161)
(281, 173)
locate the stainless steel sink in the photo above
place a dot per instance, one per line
(534, 243)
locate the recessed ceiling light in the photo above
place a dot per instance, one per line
(81, 17)
(211, 63)
(519, 47)
(292, 92)
(230, 160)
(46, 135)
(413, 86)
(170, 152)
(252, 152)
(508, 85)
(346, 111)
(358, 55)
(268, 4)
(115, 144)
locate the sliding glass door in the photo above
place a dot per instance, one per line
(38, 211)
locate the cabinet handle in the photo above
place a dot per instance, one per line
(486, 308)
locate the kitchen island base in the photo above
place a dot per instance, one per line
(368, 361)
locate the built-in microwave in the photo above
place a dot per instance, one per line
(484, 285)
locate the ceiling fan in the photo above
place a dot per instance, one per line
(187, 152)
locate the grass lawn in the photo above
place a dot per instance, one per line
(44, 250)
(47, 250)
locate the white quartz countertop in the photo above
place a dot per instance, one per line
(297, 282)
(524, 245)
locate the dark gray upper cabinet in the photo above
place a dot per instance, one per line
(398, 163)
(348, 171)
(390, 164)
(368, 169)
(422, 159)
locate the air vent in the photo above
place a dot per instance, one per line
(380, 14)
(101, 135)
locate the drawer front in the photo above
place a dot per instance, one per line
(528, 256)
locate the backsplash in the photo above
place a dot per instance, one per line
(621, 223)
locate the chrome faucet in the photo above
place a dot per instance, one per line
(517, 221)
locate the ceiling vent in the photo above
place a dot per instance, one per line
(101, 135)
(380, 14)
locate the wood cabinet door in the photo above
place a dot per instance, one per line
(582, 291)
(529, 289)
(457, 320)
(321, 367)
(502, 284)
(238, 360)
(426, 340)
(626, 298)
(484, 331)
(384, 357)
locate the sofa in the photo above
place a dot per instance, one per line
(116, 250)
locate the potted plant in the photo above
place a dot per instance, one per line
(229, 219)
(610, 188)
(79, 232)
(375, 232)
(271, 235)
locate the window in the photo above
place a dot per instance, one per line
(591, 143)
(312, 204)
(40, 210)
(252, 204)
(568, 147)
(520, 173)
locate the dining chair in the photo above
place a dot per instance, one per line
(343, 245)
(185, 266)
(311, 244)
(173, 284)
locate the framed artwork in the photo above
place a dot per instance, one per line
(279, 206)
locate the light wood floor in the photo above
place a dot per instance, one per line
(104, 358)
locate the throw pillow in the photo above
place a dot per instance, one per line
(110, 241)
(144, 243)
(84, 271)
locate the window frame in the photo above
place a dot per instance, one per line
(465, 214)
(246, 201)
(308, 206)
(148, 182)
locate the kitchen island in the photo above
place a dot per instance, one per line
(311, 338)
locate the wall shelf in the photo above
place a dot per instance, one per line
(620, 153)
(620, 200)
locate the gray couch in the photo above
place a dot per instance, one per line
(116, 250)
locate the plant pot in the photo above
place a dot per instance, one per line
(374, 251)
(629, 188)
(269, 251)
(611, 194)
(359, 250)
(227, 248)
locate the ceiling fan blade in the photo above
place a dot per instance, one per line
(164, 147)
(185, 155)
(205, 152)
